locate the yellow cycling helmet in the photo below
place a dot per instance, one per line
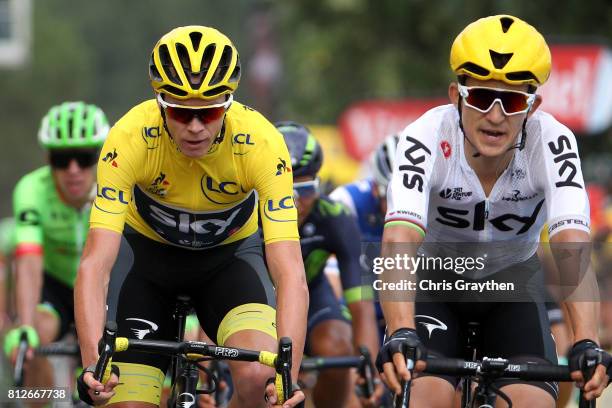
(501, 47)
(194, 62)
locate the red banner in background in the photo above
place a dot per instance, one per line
(579, 90)
(364, 124)
(578, 94)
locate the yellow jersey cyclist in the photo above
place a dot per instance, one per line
(51, 208)
(188, 173)
(327, 228)
(488, 168)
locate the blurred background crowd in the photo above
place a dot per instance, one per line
(354, 70)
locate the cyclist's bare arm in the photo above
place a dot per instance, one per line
(584, 312)
(29, 282)
(365, 331)
(399, 239)
(583, 305)
(284, 260)
(91, 287)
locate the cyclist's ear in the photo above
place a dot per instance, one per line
(453, 93)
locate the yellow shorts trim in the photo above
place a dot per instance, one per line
(254, 316)
(138, 382)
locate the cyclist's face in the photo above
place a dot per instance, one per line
(492, 133)
(304, 203)
(75, 183)
(195, 137)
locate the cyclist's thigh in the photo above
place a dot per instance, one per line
(431, 392)
(56, 308)
(520, 332)
(145, 311)
(237, 294)
(328, 319)
(525, 396)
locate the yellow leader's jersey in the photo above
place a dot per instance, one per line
(144, 180)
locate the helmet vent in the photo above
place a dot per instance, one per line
(223, 66)
(522, 76)
(196, 38)
(506, 22)
(167, 65)
(474, 69)
(500, 60)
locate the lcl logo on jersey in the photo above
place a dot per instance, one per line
(455, 218)
(220, 192)
(568, 169)
(279, 210)
(416, 154)
(243, 139)
(151, 135)
(111, 194)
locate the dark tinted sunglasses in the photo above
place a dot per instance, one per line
(60, 159)
(482, 99)
(185, 114)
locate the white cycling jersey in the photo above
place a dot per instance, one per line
(434, 187)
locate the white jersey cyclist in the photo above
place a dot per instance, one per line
(434, 187)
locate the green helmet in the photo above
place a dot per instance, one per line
(73, 125)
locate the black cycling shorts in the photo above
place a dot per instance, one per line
(59, 299)
(217, 280)
(518, 331)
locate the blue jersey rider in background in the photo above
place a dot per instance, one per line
(327, 228)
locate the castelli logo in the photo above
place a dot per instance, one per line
(446, 149)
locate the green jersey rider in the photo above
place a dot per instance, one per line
(51, 210)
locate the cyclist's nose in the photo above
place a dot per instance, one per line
(496, 113)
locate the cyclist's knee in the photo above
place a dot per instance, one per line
(47, 326)
(249, 380)
(331, 338)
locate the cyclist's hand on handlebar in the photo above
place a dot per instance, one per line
(271, 397)
(92, 391)
(599, 380)
(13, 338)
(391, 362)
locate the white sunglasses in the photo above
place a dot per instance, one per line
(482, 99)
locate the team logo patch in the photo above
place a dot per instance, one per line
(446, 149)
(110, 158)
(159, 186)
(282, 167)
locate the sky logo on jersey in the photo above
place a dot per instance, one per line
(416, 155)
(282, 210)
(111, 194)
(110, 158)
(193, 229)
(568, 169)
(282, 167)
(453, 217)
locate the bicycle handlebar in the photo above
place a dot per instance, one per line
(194, 351)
